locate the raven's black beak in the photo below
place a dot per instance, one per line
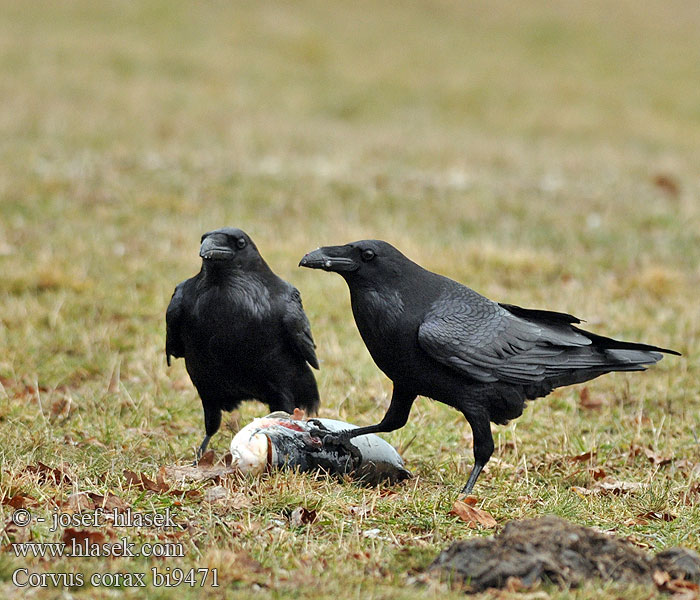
(212, 249)
(330, 258)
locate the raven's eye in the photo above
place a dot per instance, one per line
(367, 255)
(240, 242)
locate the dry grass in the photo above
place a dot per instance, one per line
(544, 155)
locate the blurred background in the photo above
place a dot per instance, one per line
(546, 154)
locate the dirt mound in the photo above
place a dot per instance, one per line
(552, 549)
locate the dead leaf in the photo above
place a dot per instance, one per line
(80, 535)
(597, 473)
(472, 516)
(644, 518)
(302, 516)
(586, 456)
(59, 475)
(61, 406)
(655, 458)
(667, 184)
(610, 485)
(109, 503)
(85, 501)
(207, 459)
(20, 501)
(143, 482)
(78, 502)
(588, 401)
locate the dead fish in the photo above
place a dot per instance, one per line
(281, 441)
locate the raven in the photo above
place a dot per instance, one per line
(242, 332)
(435, 337)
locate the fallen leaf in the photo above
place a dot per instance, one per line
(109, 503)
(597, 473)
(80, 535)
(655, 458)
(588, 401)
(78, 502)
(583, 457)
(613, 486)
(302, 516)
(471, 500)
(61, 406)
(143, 482)
(667, 184)
(207, 459)
(59, 475)
(20, 501)
(644, 518)
(472, 516)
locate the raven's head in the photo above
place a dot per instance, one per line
(366, 259)
(228, 247)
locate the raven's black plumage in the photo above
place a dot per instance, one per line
(435, 337)
(242, 332)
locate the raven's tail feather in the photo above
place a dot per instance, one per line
(606, 343)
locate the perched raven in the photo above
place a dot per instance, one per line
(242, 332)
(435, 337)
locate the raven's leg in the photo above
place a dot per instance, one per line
(395, 417)
(483, 445)
(212, 422)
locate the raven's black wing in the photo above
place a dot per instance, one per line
(297, 326)
(173, 324)
(491, 342)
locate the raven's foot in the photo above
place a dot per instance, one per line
(200, 451)
(467, 489)
(338, 442)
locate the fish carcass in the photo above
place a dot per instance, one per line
(280, 440)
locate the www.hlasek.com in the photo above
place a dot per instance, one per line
(83, 546)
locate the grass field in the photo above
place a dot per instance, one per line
(544, 154)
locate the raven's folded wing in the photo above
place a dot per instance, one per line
(173, 323)
(491, 342)
(297, 326)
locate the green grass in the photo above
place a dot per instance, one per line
(511, 146)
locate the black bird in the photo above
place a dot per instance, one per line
(435, 337)
(242, 332)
